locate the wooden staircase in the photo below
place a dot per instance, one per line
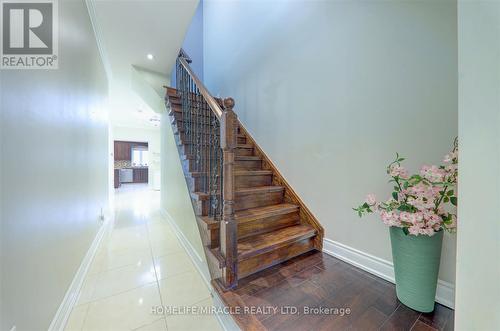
(271, 224)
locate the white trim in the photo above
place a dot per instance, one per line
(445, 293)
(197, 259)
(226, 321)
(61, 317)
(98, 38)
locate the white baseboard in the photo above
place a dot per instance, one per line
(384, 269)
(61, 317)
(226, 321)
(198, 261)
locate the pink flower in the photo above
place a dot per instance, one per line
(390, 218)
(371, 200)
(405, 217)
(432, 173)
(414, 230)
(396, 170)
(426, 231)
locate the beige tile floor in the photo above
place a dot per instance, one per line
(140, 264)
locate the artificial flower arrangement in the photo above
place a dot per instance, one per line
(420, 208)
(421, 204)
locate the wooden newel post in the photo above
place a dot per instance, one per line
(228, 228)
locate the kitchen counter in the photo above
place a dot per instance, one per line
(128, 167)
(138, 175)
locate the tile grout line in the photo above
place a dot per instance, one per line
(156, 273)
(388, 317)
(416, 320)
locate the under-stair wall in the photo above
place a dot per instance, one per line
(332, 90)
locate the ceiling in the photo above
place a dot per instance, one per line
(129, 30)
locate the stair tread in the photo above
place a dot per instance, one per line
(265, 242)
(252, 214)
(236, 173)
(259, 189)
(245, 190)
(262, 212)
(244, 146)
(248, 158)
(252, 172)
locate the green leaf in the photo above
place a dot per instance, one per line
(446, 199)
(404, 208)
(401, 159)
(406, 232)
(450, 193)
(453, 201)
(365, 205)
(395, 195)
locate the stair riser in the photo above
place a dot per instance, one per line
(204, 125)
(267, 224)
(195, 117)
(244, 151)
(245, 201)
(247, 229)
(200, 207)
(254, 200)
(190, 165)
(179, 124)
(266, 260)
(248, 165)
(252, 181)
(206, 137)
(186, 149)
(196, 183)
(175, 104)
(210, 237)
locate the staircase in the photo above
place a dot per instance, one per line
(248, 216)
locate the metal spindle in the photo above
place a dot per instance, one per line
(201, 129)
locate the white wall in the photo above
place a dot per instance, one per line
(175, 198)
(333, 89)
(54, 176)
(478, 253)
(152, 137)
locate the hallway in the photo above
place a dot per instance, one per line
(140, 264)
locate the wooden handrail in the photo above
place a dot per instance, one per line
(214, 106)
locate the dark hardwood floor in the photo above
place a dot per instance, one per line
(316, 280)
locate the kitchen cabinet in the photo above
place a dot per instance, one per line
(123, 149)
(117, 178)
(140, 175)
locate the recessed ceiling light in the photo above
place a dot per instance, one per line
(150, 56)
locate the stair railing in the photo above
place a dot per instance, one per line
(210, 135)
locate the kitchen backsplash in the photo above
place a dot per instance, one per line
(120, 164)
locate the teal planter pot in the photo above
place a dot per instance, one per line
(416, 267)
